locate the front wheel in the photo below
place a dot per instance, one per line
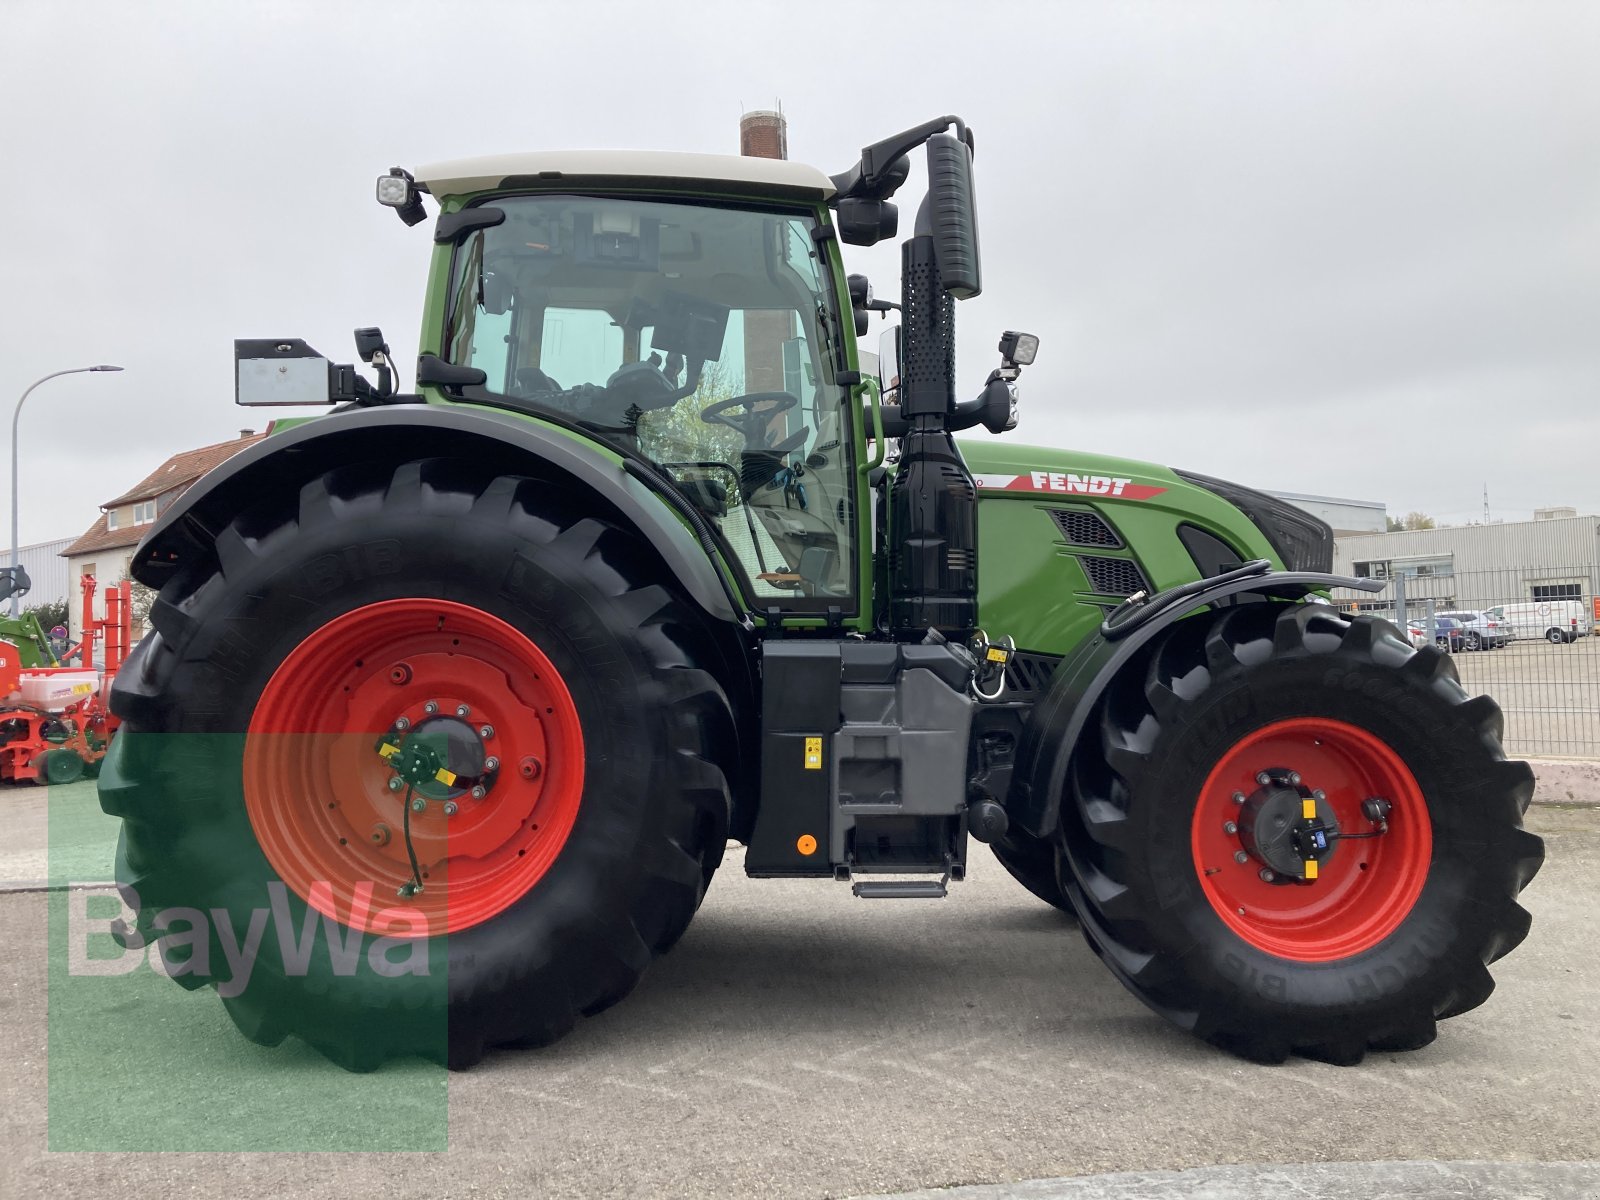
(444, 747)
(1031, 862)
(1299, 835)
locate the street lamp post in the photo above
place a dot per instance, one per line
(15, 417)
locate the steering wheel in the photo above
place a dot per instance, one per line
(718, 413)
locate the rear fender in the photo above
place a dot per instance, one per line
(1057, 723)
(400, 432)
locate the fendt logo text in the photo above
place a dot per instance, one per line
(1091, 485)
(1070, 482)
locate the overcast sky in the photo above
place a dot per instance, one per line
(1347, 249)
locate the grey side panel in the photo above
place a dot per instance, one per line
(398, 432)
(864, 759)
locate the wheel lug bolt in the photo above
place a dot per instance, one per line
(1241, 910)
(1263, 778)
(1319, 794)
(379, 835)
(403, 723)
(1268, 875)
(1241, 856)
(491, 763)
(1230, 827)
(479, 792)
(486, 732)
(1238, 797)
(462, 710)
(530, 768)
(450, 808)
(395, 785)
(1294, 778)
(419, 805)
(431, 707)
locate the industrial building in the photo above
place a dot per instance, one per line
(47, 570)
(1556, 556)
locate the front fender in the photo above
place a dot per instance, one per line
(1057, 722)
(502, 443)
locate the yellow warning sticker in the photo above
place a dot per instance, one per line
(813, 754)
(81, 689)
(1308, 809)
(997, 654)
(1311, 868)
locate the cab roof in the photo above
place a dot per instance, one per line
(464, 175)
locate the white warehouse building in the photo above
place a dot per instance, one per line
(1554, 557)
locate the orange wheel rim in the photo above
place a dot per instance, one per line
(324, 803)
(1363, 890)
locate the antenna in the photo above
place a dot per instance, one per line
(1486, 503)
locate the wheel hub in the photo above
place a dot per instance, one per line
(1288, 828)
(440, 758)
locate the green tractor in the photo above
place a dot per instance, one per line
(454, 698)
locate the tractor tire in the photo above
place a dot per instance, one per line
(59, 767)
(1396, 932)
(490, 619)
(1032, 863)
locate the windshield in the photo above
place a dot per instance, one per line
(696, 336)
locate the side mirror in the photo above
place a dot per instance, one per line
(279, 371)
(952, 214)
(889, 363)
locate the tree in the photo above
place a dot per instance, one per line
(678, 435)
(140, 599)
(1412, 520)
(48, 615)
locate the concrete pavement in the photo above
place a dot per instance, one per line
(800, 1042)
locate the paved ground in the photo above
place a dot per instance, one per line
(803, 1043)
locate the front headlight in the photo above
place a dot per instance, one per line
(1302, 541)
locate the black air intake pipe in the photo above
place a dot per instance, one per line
(933, 507)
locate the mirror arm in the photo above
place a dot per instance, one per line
(875, 175)
(876, 157)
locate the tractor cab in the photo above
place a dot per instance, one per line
(703, 338)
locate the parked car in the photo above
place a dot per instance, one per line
(1448, 633)
(1483, 630)
(1555, 621)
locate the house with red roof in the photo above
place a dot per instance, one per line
(106, 547)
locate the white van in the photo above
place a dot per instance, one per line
(1553, 620)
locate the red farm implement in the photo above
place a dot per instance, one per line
(54, 723)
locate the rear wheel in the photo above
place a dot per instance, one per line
(420, 677)
(1555, 636)
(1191, 838)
